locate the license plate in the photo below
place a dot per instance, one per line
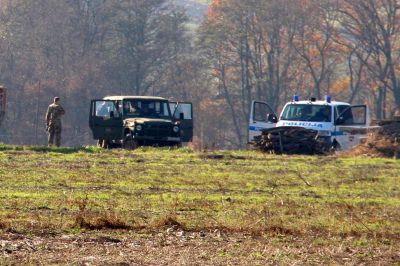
(173, 139)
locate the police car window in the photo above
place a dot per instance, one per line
(261, 111)
(359, 115)
(353, 116)
(340, 109)
(307, 112)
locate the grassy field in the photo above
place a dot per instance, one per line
(151, 206)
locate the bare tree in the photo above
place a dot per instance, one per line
(374, 26)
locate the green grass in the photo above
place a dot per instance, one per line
(321, 200)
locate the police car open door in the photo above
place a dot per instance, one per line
(183, 113)
(105, 120)
(261, 117)
(350, 127)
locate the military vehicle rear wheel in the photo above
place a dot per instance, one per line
(129, 144)
(102, 143)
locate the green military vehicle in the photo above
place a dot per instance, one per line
(132, 121)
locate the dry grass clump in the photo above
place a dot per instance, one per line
(87, 219)
(4, 225)
(167, 222)
(376, 147)
(106, 221)
(381, 142)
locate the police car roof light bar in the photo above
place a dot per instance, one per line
(296, 98)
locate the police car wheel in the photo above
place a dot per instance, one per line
(335, 146)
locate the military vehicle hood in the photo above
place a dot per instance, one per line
(151, 121)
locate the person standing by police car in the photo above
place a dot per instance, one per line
(53, 122)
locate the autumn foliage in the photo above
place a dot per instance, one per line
(243, 50)
(270, 50)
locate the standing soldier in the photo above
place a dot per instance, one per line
(53, 121)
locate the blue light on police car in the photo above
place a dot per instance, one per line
(328, 99)
(296, 98)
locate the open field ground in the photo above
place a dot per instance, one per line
(150, 206)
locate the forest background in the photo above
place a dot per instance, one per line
(219, 54)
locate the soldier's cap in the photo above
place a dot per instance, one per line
(56, 99)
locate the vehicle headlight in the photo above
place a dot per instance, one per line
(139, 127)
(324, 133)
(176, 129)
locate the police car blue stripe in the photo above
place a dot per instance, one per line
(253, 128)
(338, 133)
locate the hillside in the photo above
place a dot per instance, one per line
(182, 207)
(195, 8)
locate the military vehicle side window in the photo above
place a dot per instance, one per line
(161, 109)
(164, 110)
(261, 110)
(172, 107)
(106, 109)
(146, 108)
(119, 107)
(131, 107)
(185, 110)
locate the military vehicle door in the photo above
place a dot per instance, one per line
(261, 117)
(351, 126)
(183, 113)
(105, 120)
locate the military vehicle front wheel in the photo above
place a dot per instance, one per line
(179, 145)
(129, 144)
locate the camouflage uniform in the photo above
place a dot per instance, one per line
(53, 122)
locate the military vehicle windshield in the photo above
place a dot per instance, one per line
(146, 109)
(307, 112)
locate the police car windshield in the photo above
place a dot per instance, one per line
(146, 109)
(307, 112)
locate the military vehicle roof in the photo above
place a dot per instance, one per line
(119, 98)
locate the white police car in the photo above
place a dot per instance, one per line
(340, 124)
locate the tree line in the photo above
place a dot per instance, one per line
(272, 49)
(243, 50)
